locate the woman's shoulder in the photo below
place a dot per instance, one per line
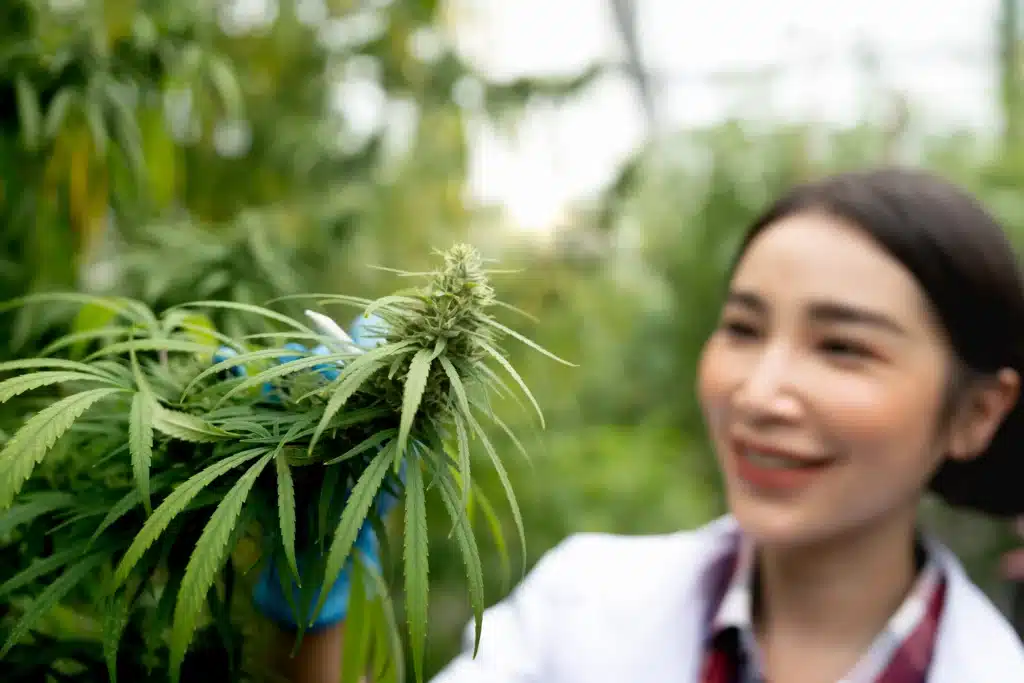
(975, 640)
(590, 562)
(565, 621)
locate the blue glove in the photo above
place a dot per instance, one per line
(270, 598)
(268, 594)
(368, 331)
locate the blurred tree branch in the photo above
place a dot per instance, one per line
(624, 13)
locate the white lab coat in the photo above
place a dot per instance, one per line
(611, 609)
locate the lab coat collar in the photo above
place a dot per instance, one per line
(974, 643)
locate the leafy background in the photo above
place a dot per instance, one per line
(172, 152)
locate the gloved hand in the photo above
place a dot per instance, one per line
(269, 594)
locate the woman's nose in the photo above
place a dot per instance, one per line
(767, 390)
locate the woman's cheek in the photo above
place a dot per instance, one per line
(880, 421)
(717, 374)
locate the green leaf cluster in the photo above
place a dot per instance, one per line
(152, 466)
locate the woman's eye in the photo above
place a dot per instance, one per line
(739, 330)
(842, 347)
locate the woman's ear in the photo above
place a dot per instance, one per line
(981, 409)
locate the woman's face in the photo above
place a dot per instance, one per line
(823, 385)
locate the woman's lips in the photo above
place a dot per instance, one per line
(771, 469)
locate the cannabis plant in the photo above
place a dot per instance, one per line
(172, 454)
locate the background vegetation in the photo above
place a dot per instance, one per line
(180, 151)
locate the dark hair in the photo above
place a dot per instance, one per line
(962, 259)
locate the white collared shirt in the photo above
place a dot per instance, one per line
(736, 612)
(617, 609)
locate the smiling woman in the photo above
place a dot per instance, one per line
(830, 374)
(870, 348)
(838, 385)
(906, 248)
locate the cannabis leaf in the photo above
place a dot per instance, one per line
(29, 445)
(173, 505)
(206, 561)
(140, 442)
(416, 567)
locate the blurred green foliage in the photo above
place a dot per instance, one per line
(157, 150)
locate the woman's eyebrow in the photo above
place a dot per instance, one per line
(746, 299)
(835, 312)
(822, 311)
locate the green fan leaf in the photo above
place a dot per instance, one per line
(349, 384)
(417, 568)
(234, 361)
(463, 534)
(503, 362)
(506, 484)
(186, 427)
(456, 382)
(365, 445)
(343, 299)
(358, 631)
(30, 444)
(511, 437)
(356, 509)
(415, 383)
(278, 371)
(115, 618)
(329, 489)
(31, 508)
(50, 597)
(140, 442)
(529, 342)
(40, 568)
(177, 501)
(18, 385)
(395, 663)
(286, 510)
(52, 363)
(349, 381)
(129, 308)
(249, 308)
(129, 501)
(204, 332)
(393, 300)
(462, 444)
(207, 559)
(494, 524)
(78, 341)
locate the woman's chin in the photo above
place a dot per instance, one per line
(778, 525)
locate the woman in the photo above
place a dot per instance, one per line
(870, 348)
